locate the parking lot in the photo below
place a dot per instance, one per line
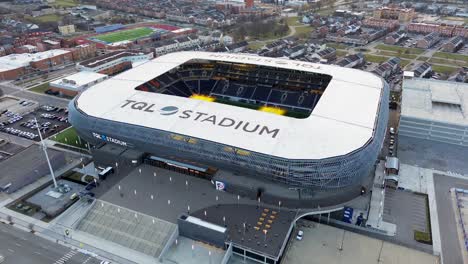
(50, 120)
(408, 211)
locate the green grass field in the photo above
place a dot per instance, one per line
(303, 31)
(47, 18)
(399, 49)
(70, 137)
(341, 53)
(449, 62)
(65, 3)
(41, 88)
(375, 58)
(294, 21)
(395, 54)
(129, 34)
(444, 69)
(337, 45)
(451, 56)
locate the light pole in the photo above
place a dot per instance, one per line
(44, 147)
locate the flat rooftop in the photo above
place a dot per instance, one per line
(14, 61)
(441, 101)
(342, 121)
(95, 62)
(77, 80)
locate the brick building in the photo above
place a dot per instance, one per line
(83, 52)
(394, 13)
(428, 41)
(388, 24)
(453, 44)
(14, 65)
(442, 29)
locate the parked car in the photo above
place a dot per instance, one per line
(300, 235)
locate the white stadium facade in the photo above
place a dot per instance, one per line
(290, 123)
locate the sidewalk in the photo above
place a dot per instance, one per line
(374, 219)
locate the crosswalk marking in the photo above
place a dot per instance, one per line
(66, 257)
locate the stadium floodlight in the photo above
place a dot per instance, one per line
(203, 97)
(273, 110)
(44, 148)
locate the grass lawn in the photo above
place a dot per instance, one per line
(444, 69)
(294, 21)
(70, 137)
(129, 34)
(256, 45)
(303, 30)
(47, 18)
(394, 54)
(404, 63)
(337, 45)
(448, 62)
(41, 88)
(451, 56)
(397, 49)
(341, 53)
(64, 3)
(375, 58)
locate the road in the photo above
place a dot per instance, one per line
(18, 246)
(448, 230)
(44, 76)
(11, 89)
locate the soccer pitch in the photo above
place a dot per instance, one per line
(129, 34)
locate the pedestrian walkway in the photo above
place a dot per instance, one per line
(136, 231)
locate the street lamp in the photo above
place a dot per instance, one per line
(44, 147)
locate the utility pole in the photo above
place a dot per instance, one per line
(44, 147)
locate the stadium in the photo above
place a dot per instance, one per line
(254, 125)
(125, 35)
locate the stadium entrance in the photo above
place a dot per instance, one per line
(181, 167)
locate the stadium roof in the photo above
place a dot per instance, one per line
(343, 120)
(441, 101)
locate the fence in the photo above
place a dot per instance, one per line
(460, 206)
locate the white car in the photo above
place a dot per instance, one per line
(392, 131)
(300, 234)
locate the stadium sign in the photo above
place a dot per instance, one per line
(110, 139)
(207, 118)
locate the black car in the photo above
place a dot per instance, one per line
(91, 185)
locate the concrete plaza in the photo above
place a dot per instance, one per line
(326, 244)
